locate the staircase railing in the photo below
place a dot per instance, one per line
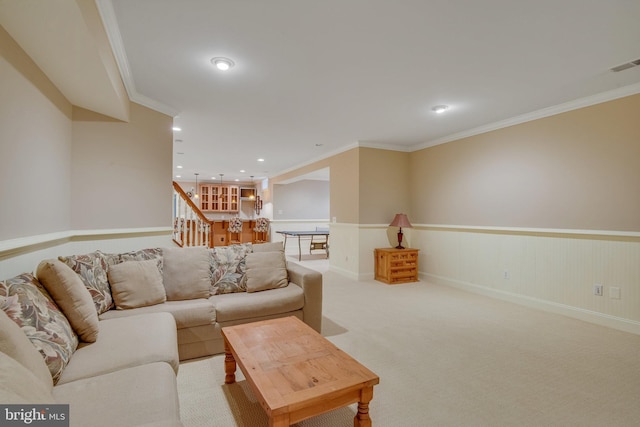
(190, 226)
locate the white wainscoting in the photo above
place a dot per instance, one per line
(554, 270)
(22, 255)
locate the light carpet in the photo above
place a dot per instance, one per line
(446, 357)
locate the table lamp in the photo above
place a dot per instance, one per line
(400, 220)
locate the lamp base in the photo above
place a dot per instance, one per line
(400, 240)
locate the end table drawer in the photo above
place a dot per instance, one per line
(406, 256)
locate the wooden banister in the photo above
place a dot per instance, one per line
(190, 226)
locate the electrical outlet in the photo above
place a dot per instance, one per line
(506, 275)
(598, 290)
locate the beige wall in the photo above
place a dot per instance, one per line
(576, 170)
(344, 171)
(65, 168)
(384, 185)
(121, 171)
(344, 187)
(540, 183)
(35, 148)
(368, 185)
(305, 199)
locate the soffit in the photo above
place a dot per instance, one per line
(66, 39)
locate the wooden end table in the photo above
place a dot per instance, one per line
(394, 266)
(295, 372)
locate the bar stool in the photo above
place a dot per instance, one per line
(261, 230)
(234, 232)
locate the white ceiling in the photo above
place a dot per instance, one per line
(313, 78)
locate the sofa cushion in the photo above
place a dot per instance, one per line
(126, 342)
(18, 385)
(136, 284)
(143, 255)
(70, 294)
(15, 344)
(239, 306)
(268, 247)
(228, 268)
(92, 269)
(186, 273)
(28, 304)
(128, 397)
(266, 270)
(187, 313)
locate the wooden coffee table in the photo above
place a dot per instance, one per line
(296, 373)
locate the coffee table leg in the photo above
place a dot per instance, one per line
(279, 421)
(229, 364)
(362, 418)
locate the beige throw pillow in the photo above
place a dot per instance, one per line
(19, 386)
(68, 291)
(266, 270)
(15, 344)
(186, 273)
(136, 284)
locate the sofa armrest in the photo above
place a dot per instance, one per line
(311, 283)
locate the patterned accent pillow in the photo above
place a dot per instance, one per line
(228, 268)
(143, 255)
(92, 269)
(28, 304)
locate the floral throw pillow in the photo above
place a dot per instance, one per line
(228, 269)
(28, 304)
(92, 269)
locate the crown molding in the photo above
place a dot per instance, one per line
(385, 146)
(598, 98)
(110, 22)
(539, 114)
(315, 160)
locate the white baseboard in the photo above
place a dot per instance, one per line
(590, 316)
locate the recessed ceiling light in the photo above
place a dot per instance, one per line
(179, 167)
(222, 64)
(261, 160)
(236, 180)
(178, 141)
(178, 176)
(242, 171)
(213, 177)
(176, 129)
(439, 109)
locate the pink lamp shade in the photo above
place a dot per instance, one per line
(400, 220)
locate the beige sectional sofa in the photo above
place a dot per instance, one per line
(105, 333)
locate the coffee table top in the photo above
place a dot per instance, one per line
(290, 366)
